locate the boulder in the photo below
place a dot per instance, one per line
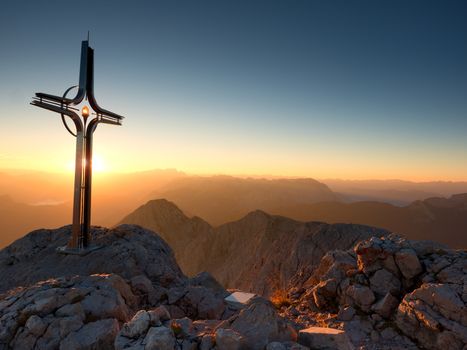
(275, 345)
(408, 263)
(346, 313)
(207, 342)
(361, 295)
(324, 293)
(434, 315)
(35, 325)
(385, 306)
(160, 312)
(199, 302)
(383, 282)
(138, 325)
(159, 338)
(228, 339)
(259, 325)
(92, 336)
(205, 279)
(182, 327)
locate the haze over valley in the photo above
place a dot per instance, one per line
(405, 207)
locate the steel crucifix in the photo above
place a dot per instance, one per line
(80, 242)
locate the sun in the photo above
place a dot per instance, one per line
(98, 164)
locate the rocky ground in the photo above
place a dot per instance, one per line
(128, 294)
(385, 293)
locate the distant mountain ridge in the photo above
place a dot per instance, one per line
(246, 253)
(397, 192)
(220, 199)
(440, 219)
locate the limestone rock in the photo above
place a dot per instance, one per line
(434, 314)
(46, 311)
(361, 295)
(324, 338)
(325, 293)
(259, 325)
(182, 327)
(35, 325)
(275, 345)
(138, 325)
(92, 336)
(385, 306)
(160, 313)
(346, 313)
(228, 339)
(199, 302)
(408, 263)
(159, 338)
(383, 282)
(207, 342)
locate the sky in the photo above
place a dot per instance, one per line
(350, 89)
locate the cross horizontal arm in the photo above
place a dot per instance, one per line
(54, 98)
(61, 110)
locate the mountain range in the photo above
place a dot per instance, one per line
(222, 199)
(440, 219)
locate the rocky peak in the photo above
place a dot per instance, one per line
(126, 250)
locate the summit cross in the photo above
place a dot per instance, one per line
(80, 242)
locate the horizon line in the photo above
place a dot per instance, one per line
(235, 175)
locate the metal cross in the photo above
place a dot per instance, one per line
(80, 242)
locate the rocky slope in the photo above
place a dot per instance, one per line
(388, 293)
(188, 237)
(259, 253)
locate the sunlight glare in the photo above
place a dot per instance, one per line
(98, 164)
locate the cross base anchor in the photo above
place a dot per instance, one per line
(65, 250)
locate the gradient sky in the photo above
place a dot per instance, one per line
(341, 89)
